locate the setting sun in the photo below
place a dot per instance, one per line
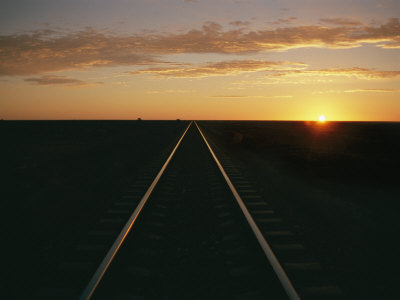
(322, 118)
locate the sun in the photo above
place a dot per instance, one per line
(321, 118)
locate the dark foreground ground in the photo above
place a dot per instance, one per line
(337, 184)
(190, 240)
(59, 177)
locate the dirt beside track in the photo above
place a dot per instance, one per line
(59, 177)
(338, 187)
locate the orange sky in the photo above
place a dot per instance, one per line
(262, 60)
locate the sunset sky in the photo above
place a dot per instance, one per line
(198, 59)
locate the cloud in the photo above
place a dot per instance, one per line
(232, 67)
(169, 91)
(356, 91)
(360, 73)
(58, 80)
(372, 91)
(229, 96)
(391, 45)
(48, 50)
(213, 39)
(252, 96)
(341, 21)
(283, 21)
(239, 23)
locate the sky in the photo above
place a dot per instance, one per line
(201, 60)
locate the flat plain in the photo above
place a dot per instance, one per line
(58, 178)
(335, 183)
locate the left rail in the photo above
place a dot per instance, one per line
(98, 275)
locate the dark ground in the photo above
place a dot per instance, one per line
(58, 177)
(191, 240)
(336, 183)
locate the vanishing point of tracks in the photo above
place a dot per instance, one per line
(199, 230)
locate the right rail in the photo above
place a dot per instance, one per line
(281, 274)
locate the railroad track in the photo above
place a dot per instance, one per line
(198, 230)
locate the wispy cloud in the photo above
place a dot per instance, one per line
(283, 21)
(233, 67)
(213, 39)
(360, 73)
(49, 51)
(356, 91)
(240, 23)
(372, 91)
(59, 80)
(341, 21)
(170, 91)
(391, 45)
(253, 96)
(229, 96)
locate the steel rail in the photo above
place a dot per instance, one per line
(98, 275)
(281, 274)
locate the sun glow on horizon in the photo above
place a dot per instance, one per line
(268, 60)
